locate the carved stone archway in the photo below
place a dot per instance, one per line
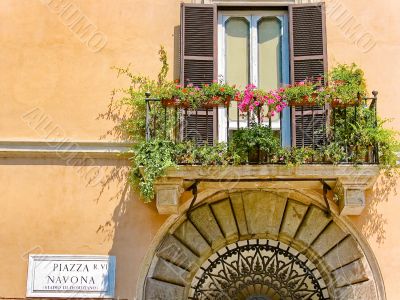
(255, 244)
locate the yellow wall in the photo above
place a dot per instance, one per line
(48, 206)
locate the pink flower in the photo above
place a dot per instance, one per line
(301, 83)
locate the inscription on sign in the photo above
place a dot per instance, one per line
(76, 276)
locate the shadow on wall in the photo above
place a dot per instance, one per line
(133, 224)
(372, 222)
(131, 229)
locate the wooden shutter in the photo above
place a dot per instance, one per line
(308, 59)
(199, 66)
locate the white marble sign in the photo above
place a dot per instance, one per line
(71, 276)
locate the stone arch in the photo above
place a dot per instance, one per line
(339, 255)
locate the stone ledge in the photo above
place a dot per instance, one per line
(348, 182)
(323, 171)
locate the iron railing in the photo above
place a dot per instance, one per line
(201, 125)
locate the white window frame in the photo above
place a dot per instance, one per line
(253, 18)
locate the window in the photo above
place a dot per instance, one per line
(253, 48)
(267, 48)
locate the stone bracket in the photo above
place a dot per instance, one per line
(168, 194)
(350, 197)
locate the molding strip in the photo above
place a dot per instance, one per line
(62, 148)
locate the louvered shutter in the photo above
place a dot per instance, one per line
(199, 66)
(308, 59)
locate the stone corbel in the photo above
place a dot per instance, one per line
(349, 194)
(168, 194)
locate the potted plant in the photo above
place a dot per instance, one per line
(217, 94)
(168, 93)
(304, 93)
(190, 96)
(255, 144)
(334, 152)
(346, 86)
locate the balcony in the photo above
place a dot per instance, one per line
(317, 128)
(313, 128)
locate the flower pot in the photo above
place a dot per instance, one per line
(369, 156)
(216, 102)
(173, 102)
(184, 104)
(209, 105)
(337, 103)
(305, 101)
(227, 101)
(257, 156)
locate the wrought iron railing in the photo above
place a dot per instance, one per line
(316, 127)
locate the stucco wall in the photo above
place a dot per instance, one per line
(48, 206)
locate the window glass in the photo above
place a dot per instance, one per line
(269, 57)
(253, 48)
(237, 32)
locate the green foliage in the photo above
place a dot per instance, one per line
(305, 91)
(219, 89)
(127, 107)
(361, 134)
(149, 161)
(294, 156)
(334, 152)
(256, 137)
(346, 83)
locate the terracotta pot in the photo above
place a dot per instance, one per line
(210, 104)
(217, 102)
(184, 104)
(305, 101)
(336, 103)
(257, 156)
(173, 102)
(227, 101)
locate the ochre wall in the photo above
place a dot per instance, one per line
(48, 206)
(380, 222)
(44, 64)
